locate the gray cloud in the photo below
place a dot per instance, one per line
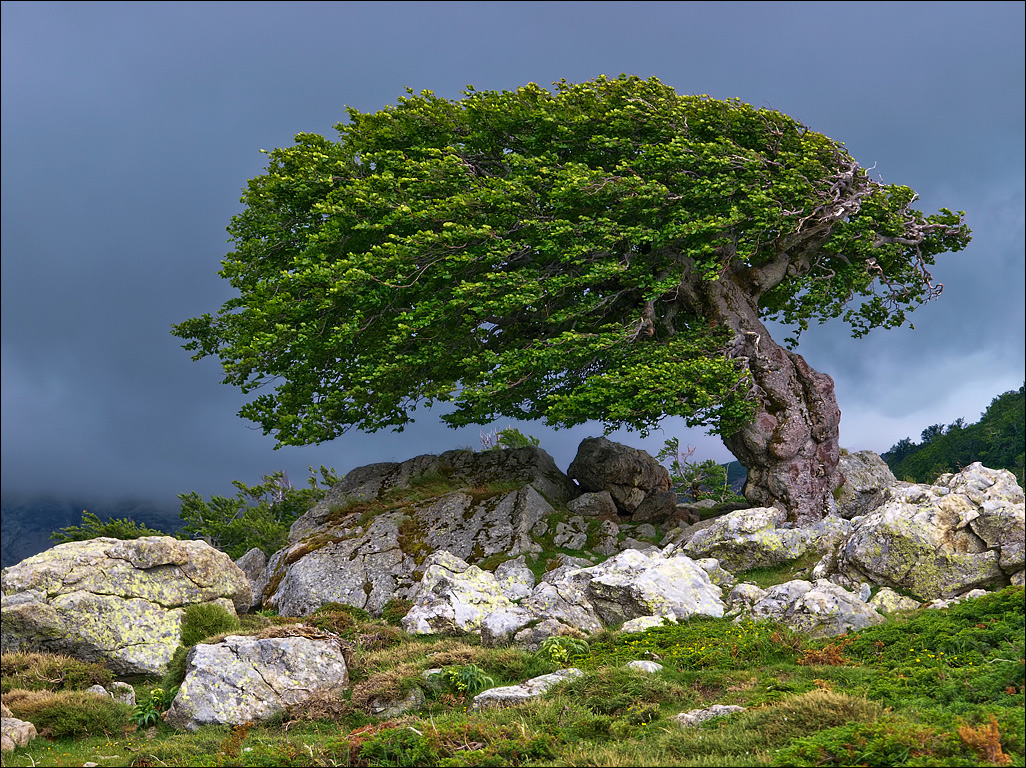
(129, 130)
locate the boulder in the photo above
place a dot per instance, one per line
(637, 483)
(756, 538)
(14, 733)
(453, 598)
(120, 602)
(254, 565)
(472, 505)
(642, 623)
(515, 578)
(743, 596)
(819, 609)
(593, 504)
(245, 679)
(648, 667)
(562, 600)
(645, 583)
(696, 717)
(501, 626)
(509, 695)
(866, 478)
(886, 600)
(937, 541)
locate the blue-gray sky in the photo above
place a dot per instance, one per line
(129, 130)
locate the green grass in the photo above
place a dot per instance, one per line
(937, 687)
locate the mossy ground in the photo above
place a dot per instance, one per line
(932, 687)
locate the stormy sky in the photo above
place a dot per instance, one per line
(129, 130)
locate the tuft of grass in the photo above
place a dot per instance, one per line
(69, 714)
(203, 620)
(50, 672)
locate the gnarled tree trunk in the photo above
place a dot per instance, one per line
(791, 448)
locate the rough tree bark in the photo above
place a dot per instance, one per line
(791, 447)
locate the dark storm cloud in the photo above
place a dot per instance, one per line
(129, 129)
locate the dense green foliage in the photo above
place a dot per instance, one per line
(258, 516)
(998, 440)
(549, 255)
(93, 527)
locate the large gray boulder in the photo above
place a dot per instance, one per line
(936, 541)
(246, 679)
(637, 483)
(649, 583)
(454, 598)
(115, 601)
(866, 479)
(756, 538)
(367, 541)
(816, 609)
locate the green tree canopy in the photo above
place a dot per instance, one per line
(562, 256)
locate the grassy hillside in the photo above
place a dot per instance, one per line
(932, 687)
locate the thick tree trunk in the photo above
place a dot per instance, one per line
(790, 449)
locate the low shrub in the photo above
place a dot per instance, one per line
(50, 672)
(203, 620)
(69, 714)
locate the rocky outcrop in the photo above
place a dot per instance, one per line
(816, 609)
(936, 541)
(245, 679)
(367, 541)
(759, 538)
(459, 469)
(637, 483)
(866, 478)
(115, 601)
(457, 598)
(453, 598)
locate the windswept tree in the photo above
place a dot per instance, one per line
(606, 251)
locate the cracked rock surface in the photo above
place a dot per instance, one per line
(244, 679)
(115, 601)
(936, 541)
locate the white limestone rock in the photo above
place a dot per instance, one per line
(938, 541)
(244, 679)
(115, 601)
(816, 609)
(453, 597)
(510, 695)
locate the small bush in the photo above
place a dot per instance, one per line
(69, 714)
(203, 620)
(50, 672)
(463, 680)
(399, 747)
(94, 528)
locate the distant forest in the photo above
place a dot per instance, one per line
(998, 440)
